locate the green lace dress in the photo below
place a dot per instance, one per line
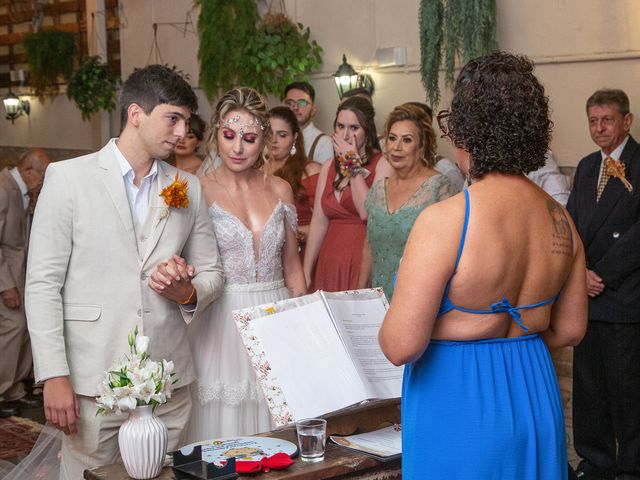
(387, 232)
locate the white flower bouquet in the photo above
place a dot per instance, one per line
(135, 380)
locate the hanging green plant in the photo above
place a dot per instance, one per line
(281, 53)
(93, 87)
(453, 30)
(50, 56)
(225, 29)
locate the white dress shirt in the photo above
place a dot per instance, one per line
(138, 196)
(324, 149)
(551, 179)
(21, 185)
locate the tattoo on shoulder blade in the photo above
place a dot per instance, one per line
(562, 243)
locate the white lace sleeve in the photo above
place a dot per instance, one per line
(291, 215)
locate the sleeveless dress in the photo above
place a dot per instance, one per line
(338, 264)
(227, 400)
(304, 204)
(387, 232)
(483, 409)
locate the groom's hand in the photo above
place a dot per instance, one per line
(61, 407)
(172, 280)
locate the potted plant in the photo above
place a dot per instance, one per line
(281, 52)
(137, 384)
(237, 48)
(50, 55)
(450, 30)
(93, 87)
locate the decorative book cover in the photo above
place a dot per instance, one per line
(319, 353)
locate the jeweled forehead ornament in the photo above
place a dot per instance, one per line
(253, 125)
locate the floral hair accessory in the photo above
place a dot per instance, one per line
(351, 165)
(175, 195)
(615, 168)
(253, 124)
(135, 380)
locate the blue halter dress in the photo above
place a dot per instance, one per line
(483, 409)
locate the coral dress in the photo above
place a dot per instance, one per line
(304, 204)
(338, 265)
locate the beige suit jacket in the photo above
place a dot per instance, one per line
(87, 286)
(13, 233)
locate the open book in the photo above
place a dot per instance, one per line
(384, 444)
(319, 353)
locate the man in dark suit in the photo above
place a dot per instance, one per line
(605, 206)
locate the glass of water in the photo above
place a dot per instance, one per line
(312, 436)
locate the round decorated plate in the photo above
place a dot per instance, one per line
(242, 448)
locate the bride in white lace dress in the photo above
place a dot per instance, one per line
(255, 223)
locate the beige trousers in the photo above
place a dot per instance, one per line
(15, 353)
(96, 442)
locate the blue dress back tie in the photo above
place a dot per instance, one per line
(503, 306)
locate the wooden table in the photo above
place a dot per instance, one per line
(339, 463)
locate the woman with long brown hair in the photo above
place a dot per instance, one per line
(289, 162)
(338, 224)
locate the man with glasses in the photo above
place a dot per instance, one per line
(299, 97)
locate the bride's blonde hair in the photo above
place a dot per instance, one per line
(241, 99)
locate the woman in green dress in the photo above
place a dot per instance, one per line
(394, 203)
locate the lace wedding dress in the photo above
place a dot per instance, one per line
(227, 401)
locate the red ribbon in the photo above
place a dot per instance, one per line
(277, 461)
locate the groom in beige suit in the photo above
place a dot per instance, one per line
(107, 254)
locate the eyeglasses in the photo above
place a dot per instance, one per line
(443, 122)
(301, 103)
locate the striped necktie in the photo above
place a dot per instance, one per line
(604, 178)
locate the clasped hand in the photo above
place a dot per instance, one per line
(11, 298)
(595, 284)
(172, 279)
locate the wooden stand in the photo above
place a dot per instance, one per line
(339, 463)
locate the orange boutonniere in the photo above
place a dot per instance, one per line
(615, 168)
(175, 195)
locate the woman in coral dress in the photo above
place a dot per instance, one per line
(338, 225)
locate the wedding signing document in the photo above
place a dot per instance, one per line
(319, 353)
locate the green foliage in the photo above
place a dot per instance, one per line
(281, 53)
(226, 28)
(236, 49)
(50, 55)
(453, 30)
(93, 87)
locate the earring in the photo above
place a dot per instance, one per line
(294, 150)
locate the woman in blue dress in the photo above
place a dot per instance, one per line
(490, 280)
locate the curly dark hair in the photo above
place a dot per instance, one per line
(500, 115)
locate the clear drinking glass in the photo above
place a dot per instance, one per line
(312, 436)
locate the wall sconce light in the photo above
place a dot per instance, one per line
(347, 78)
(14, 106)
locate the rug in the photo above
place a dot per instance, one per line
(17, 437)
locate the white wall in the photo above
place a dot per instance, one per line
(578, 46)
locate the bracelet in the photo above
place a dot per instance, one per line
(190, 298)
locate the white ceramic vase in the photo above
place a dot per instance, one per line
(143, 442)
